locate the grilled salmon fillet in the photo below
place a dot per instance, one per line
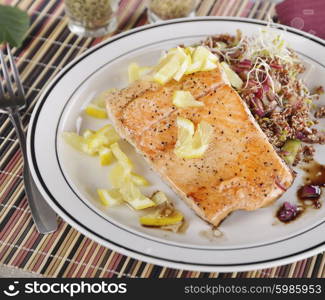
(240, 169)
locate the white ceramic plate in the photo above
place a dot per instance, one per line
(69, 179)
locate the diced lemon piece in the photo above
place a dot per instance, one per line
(176, 51)
(160, 220)
(139, 180)
(183, 99)
(74, 140)
(172, 65)
(110, 198)
(202, 53)
(105, 136)
(96, 111)
(159, 198)
(209, 65)
(185, 132)
(190, 144)
(100, 100)
(88, 133)
(109, 134)
(167, 69)
(145, 72)
(190, 152)
(117, 175)
(105, 156)
(184, 62)
(136, 72)
(122, 158)
(183, 68)
(133, 72)
(202, 135)
(77, 142)
(179, 61)
(97, 107)
(194, 67)
(202, 60)
(94, 142)
(200, 142)
(133, 196)
(189, 50)
(232, 76)
(185, 124)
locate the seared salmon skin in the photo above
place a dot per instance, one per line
(240, 170)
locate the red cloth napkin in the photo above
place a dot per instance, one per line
(306, 15)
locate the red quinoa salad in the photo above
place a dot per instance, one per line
(273, 88)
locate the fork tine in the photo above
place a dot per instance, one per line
(6, 74)
(21, 92)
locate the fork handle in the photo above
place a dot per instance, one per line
(43, 215)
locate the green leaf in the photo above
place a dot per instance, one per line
(14, 24)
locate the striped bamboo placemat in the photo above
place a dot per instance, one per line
(67, 253)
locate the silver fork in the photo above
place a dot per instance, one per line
(11, 101)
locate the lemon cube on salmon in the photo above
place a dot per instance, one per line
(183, 99)
(209, 65)
(202, 60)
(202, 54)
(185, 132)
(189, 50)
(184, 61)
(110, 198)
(201, 140)
(192, 144)
(168, 67)
(190, 152)
(232, 76)
(202, 135)
(95, 111)
(105, 156)
(194, 67)
(184, 65)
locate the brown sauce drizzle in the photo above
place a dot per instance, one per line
(286, 216)
(314, 201)
(315, 179)
(315, 174)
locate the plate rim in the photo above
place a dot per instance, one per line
(122, 249)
